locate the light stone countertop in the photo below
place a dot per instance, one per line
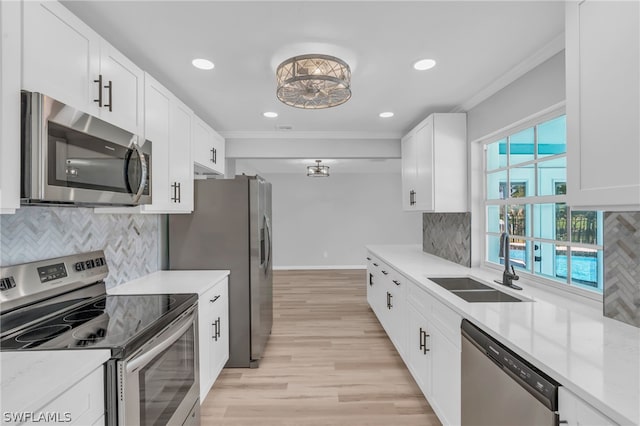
(168, 282)
(595, 357)
(29, 380)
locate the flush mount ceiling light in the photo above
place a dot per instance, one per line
(313, 81)
(270, 114)
(203, 64)
(387, 114)
(424, 64)
(318, 170)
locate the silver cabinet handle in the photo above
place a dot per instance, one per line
(110, 87)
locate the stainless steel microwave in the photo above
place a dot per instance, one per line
(70, 157)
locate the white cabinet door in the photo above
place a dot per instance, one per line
(434, 165)
(208, 148)
(603, 104)
(397, 323)
(65, 59)
(181, 165)
(446, 395)
(424, 185)
(418, 353)
(157, 116)
(220, 346)
(9, 112)
(122, 90)
(409, 169)
(213, 323)
(573, 411)
(61, 55)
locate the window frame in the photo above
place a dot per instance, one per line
(565, 288)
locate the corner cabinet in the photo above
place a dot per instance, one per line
(603, 104)
(213, 328)
(434, 165)
(10, 23)
(208, 149)
(68, 61)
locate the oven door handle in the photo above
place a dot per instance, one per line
(148, 355)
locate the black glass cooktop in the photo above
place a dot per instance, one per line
(120, 323)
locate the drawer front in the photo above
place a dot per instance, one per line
(83, 404)
(447, 320)
(419, 298)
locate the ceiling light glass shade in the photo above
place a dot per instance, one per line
(313, 81)
(318, 170)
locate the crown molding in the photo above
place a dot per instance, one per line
(286, 134)
(546, 52)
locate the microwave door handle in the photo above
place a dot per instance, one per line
(150, 354)
(143, 175)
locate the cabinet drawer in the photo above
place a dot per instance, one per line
(447, 320)
(83, 404)
(419, 298)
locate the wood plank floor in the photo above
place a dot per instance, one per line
(328, 362)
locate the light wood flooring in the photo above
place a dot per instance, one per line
(328, 362)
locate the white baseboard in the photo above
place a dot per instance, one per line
(311, 267)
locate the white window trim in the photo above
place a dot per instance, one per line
(477, 195)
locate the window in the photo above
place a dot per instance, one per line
(525, 195)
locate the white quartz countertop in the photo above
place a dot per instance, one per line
(29, 380)
(595, 357)
(168, 282)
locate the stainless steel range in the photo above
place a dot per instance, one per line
(61, 303)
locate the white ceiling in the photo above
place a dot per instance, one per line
(299, 166)
(474, 43)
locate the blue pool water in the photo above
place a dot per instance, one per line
(584, 269)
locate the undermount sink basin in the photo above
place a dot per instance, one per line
(474, 291)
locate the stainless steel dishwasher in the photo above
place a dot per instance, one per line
(500, 388)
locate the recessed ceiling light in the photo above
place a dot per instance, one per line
(203, 64)
(387, 114)
(270, 114)
(424, 64)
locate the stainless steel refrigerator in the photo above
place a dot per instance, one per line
(230, 228)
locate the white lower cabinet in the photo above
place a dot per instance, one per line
(425, 332)
(574, 411)
(82, 404)
(213, 328)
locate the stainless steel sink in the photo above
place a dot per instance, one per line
(460, 283)
(474, 291)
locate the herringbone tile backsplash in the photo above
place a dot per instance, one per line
(622, 266)
(130, 242)
(447, 235)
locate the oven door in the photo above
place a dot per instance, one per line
(73, 157)
(159, 385)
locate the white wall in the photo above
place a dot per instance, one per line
(538, 89)
(324, 222)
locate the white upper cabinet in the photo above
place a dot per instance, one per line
(168, 128)
(434, 165)
(603, 104)
(208, 148)
(68, 61)
(9, 111)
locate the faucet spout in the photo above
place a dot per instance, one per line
(509, 274)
